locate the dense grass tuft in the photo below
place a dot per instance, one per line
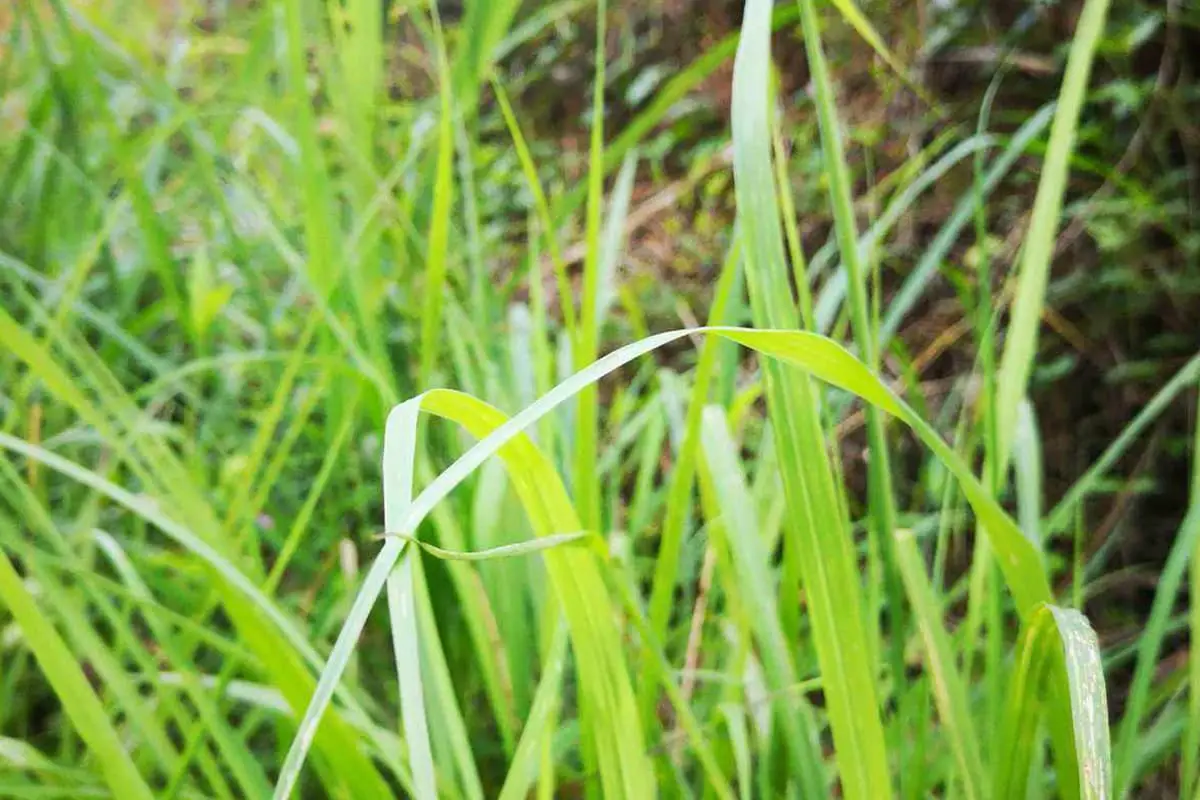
(562, 350)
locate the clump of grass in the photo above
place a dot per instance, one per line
(643, 590)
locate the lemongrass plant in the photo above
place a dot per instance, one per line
(664, 593)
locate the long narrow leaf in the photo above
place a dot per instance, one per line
(751, 564)
(399, 447)
(948, 688)
(78, 700)
(820, 357)
(1059, 653)
(1034, 270)
(439, 221)
(608, 702)
(818, 545)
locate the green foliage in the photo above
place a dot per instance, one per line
(246, 245)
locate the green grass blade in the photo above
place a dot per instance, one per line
(484, 27)
(948, 688)
(682, 480)
(667, 99)
(863, 27)
(310, 170)
(1061, 516)
(439, 221)
(359, 40)
(834, 291)
(494, 658)
(541, 207)
(1027, 469)
(1150, 643)
(1191, 737)
(818, 544)
(1034, 271)
(481, 292)
(662, 673)
(522, 770)
(608, 705)
(528, 547)
(1059, 655)
(79, 701)
(939, 248)
(585, 482)
(825, 359)
(879, 472)
(739, 740)
(791, 228)
(613, 242)
(751, 563)
(399, 448)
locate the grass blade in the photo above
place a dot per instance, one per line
(522, 770)
(935, 253)
(542, 209)
(818, 545)
(1060, 517)
(825, 359)
(79, 701)
(310, 170)
(751, 564)
(550, 511)
(879, 472)
(608, 705)
(863, 27)
(1027, 469)
(585, 482)
(525, 548)
(948, 687)
(1034, 270)
(439, 222)
(399, 449)
(1130, 730)
(613, 242)
(1191, 738)
(681, 482)
(1059, 654)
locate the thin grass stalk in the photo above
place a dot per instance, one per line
(682, 480)
(751, 561)
(1038, 248)
(542, 211)
(312, 174)
(817, 535)
(879, 473)
(65, 675)
(585, 481)
(1190, 783)
(1061, 515)
(946, 681)
(439, 221)
(1021, 337)
(1130, 730)
(985, 332)
(398, 467)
